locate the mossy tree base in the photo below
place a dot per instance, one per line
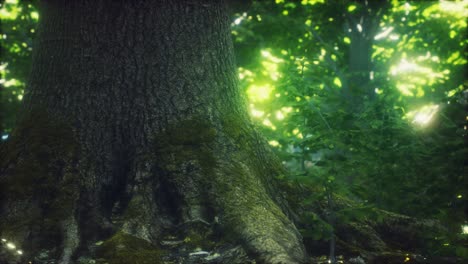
(195, 184)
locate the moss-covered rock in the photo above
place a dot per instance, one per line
(198, 241)
(124, 248)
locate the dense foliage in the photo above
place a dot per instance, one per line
(364, 101)
(367, 101)
(18, 25)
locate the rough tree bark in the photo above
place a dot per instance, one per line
(133, 128)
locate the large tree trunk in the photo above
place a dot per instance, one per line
(134, 129)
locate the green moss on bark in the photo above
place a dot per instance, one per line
(185, 141)
(37, 184)
(235, 183)
(237, 129)
(251, 215)
(193, 131)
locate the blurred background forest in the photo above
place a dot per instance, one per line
(367, 101)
